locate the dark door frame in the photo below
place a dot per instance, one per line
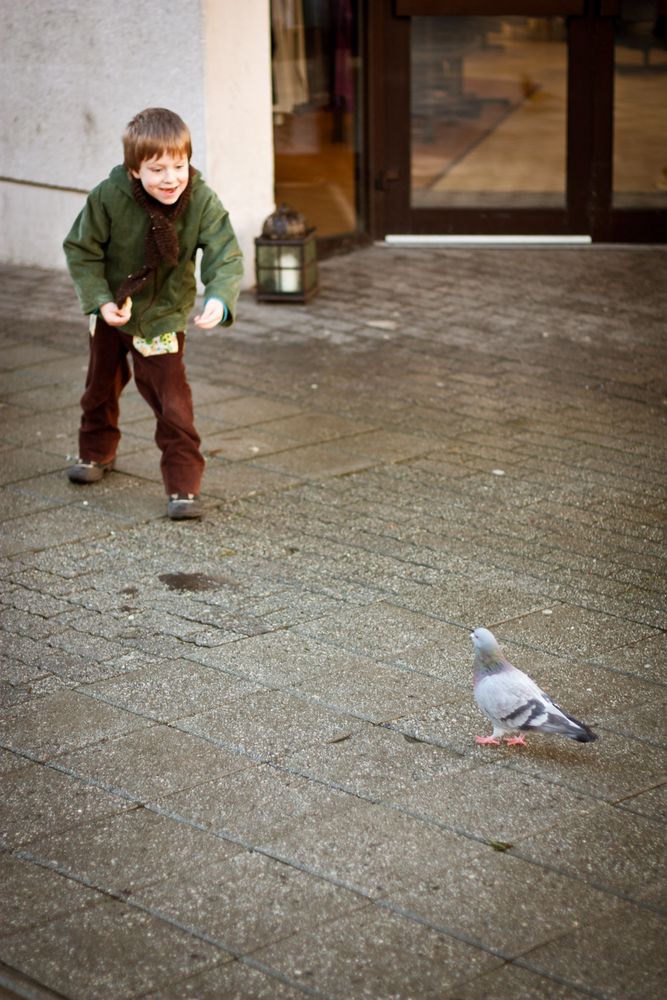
(588, 210)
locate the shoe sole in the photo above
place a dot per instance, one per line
(183, 513)
(82, 475)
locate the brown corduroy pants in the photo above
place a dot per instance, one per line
(162, 382)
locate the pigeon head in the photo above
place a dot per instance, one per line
(488, 655)
(484, 641)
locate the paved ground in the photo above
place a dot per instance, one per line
(238, 756)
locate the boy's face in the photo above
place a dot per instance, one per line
(165, 177)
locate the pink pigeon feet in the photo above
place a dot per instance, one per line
(511, 741)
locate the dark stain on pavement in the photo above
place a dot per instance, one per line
(195, 581)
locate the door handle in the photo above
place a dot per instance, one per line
(385, 177)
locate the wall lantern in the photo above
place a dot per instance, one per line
(286, 258)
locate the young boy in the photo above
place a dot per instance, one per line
(131, 255)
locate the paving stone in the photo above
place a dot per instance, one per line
(496, 804)
(34, 895)
(245, 410)
(604, 847)
(574, 631)
(230, 979)
(119, 952)
(120, 853)
(372, 954)
(168, 690)
(377, 763)
(285, 901)
(40, 800)
(251, 803)
(596, 956)
(152, 763)
(370, 847)
(223, 480)
(382, 630)
(63, 721)
(267, 723)
(612, 768)
(22, 463)
(57, 527)
(502, 902)
(315, 461)
(651, 803)
(11, 761)
(379, 693)
(516, 982)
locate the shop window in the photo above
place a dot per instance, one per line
(640, 107)
(316, 120)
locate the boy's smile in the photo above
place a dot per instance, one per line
(165, 177)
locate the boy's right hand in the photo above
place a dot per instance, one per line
(114, 315)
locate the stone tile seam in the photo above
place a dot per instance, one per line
(397, 664)
(658, 629)
(246, 957)
(234, 953)
(490, 543)
(508, 959)
(429, 821)
(19, 989)
(304, 697)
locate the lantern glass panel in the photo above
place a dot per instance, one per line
(290, 277)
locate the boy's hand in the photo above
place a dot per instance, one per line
(211, 316)
(115, 316)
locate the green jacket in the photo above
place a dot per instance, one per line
(106, 244)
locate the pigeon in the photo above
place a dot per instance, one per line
(513, 701)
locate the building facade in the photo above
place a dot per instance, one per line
(374, 118)
(74, 72)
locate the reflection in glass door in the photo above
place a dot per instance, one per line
(488, 112)
(640, 106)
(316, 128)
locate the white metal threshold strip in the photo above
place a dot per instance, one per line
(401, 240)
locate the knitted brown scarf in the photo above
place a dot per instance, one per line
(161, 241)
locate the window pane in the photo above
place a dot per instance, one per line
(315, 110)
(489, 109)
(640, 107)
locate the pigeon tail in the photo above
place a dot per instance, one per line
(563, 724)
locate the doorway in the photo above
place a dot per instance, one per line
(497, 117)
(317, 117)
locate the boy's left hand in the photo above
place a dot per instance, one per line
(211, 316)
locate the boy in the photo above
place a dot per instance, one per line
(131, 255)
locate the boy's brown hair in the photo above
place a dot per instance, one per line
(153, 132)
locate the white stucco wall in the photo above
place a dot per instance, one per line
(239, 123)
(73, 72)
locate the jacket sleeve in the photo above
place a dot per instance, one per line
(84, 248)
(222, 260)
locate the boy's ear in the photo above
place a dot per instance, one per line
(134, 173)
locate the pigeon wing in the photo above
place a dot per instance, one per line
(512, 700)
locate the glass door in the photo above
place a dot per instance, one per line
(639, 195)
(488, 112)
(498, 117)
(316, 112)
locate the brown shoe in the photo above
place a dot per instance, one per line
(88, 472)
